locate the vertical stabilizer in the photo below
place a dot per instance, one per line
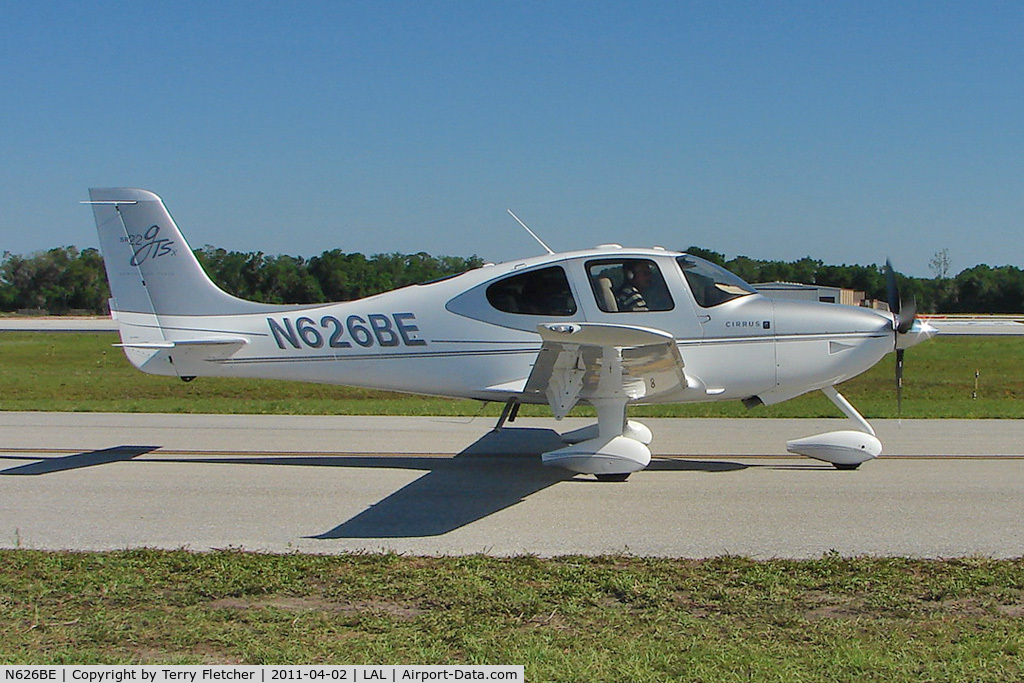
(150, 267)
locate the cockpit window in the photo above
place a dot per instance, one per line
(628, 285)
(537, 292)
(712, 285)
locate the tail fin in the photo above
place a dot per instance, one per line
(150, 267)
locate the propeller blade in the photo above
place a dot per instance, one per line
(892, 291)
(904, 313)
(905, 318)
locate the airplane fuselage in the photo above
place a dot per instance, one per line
(454, 338)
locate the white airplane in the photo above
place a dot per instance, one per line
(609, 326)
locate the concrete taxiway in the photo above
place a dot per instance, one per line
(64, 323)
(431, 485)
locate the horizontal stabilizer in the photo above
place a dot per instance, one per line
(216, 341)
(183, 357)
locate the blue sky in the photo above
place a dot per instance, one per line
(844, 131)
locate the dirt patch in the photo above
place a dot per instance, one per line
(552, 620)
(308, 604)
(1012, 611)
(206, 653)
(686, 603)
(965, 607)
(824, 605)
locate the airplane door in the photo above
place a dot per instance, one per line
(640, 291)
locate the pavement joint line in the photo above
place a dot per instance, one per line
(375, 454)
(160, 452)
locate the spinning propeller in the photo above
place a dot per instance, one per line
(904, 314)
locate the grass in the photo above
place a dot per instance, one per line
(83, 372)
(565, 619)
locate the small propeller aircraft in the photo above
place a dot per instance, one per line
(609, 326)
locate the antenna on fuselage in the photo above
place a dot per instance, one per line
(532, 233)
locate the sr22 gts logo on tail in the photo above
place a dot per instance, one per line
(376, 329)
(149, 246)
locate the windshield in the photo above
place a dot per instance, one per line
(711, 285)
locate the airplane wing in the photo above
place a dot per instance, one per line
(591, 360)
(987, 326)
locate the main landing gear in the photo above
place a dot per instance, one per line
(611, 450)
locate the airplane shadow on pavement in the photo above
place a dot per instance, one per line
(80, 460)
(495, 472)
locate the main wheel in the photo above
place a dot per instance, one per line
(846, 467)
(613, 477)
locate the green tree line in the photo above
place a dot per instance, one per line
(67, 279)
(980, 289)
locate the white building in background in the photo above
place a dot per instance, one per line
(796, 290)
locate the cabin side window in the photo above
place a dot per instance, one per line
(537, 292)
(628, 285)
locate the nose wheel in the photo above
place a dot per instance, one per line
(846, 449)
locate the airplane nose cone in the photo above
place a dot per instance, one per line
(919, 332)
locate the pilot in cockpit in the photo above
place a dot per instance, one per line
(635, 285)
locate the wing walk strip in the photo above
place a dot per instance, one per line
(157, 454)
